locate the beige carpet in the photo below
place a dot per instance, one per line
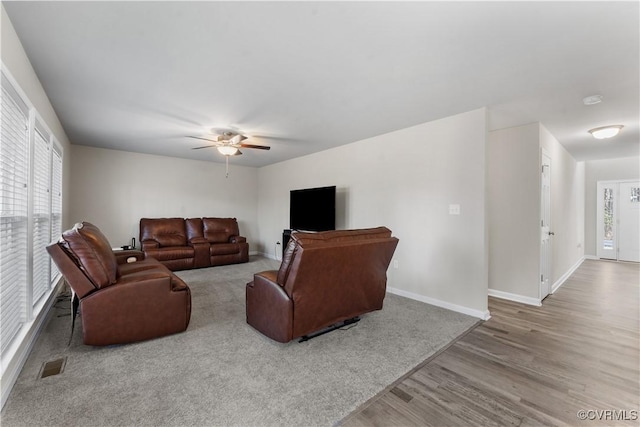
(221, 372)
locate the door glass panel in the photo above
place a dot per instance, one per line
(607, 239)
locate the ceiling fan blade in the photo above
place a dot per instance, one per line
(260, 147)
(206, 146)
(204, 139)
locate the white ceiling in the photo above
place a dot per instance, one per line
(306, 76)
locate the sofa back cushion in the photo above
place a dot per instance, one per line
(325, 237)
(285, 265)
(91, 251)
(219, 230)
(165, 231)
(194, 228)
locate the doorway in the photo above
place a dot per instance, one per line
(618, 220)
(545, 226)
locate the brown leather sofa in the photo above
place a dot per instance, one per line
(120, 301)
(182, 244)
(324, 278)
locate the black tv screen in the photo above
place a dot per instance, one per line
(313, 209)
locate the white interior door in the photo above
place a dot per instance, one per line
(629, 221)
(545, 226)
(607, 217)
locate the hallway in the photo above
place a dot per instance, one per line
(574, 358)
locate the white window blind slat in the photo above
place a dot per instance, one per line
(14, 165)
(41, 279)
(56, 206)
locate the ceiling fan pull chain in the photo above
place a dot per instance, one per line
(227, 161)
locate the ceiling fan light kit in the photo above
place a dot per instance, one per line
(605, 132)
(228, 150)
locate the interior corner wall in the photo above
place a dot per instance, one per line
(513, 188)
(514, 211)
(114, 189)
(567, 207)
(626, 168)
(404, 180)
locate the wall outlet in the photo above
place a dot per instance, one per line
(395, 263)
(454, 209)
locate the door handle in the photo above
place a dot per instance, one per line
(551, 233)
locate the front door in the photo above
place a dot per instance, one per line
(629, 225)
(607, 228)
(618, 229)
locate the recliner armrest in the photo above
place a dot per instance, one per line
(197, 241)
(149, 244)
(269, 309)
(237, 239)
(123, 257)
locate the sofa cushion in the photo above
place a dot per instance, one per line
(171, 253)
(165, 231)
(219, 230)
(224, 249)
(92, 252)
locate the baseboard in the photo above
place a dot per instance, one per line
(484, 315)
(267, 255)
(566, 275)
(591, 257)
(515, 297)
(24, 343)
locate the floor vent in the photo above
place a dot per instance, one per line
(53, 367)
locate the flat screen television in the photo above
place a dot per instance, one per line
(313, 209)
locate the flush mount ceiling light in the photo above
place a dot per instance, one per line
(592, 100)
(605, 132)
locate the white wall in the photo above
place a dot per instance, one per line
(567, 207)
(514, 211)
(404, 180)
(603, 170)
(114, 189)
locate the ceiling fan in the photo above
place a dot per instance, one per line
(228, 143)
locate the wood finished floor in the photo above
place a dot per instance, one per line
(529, 365)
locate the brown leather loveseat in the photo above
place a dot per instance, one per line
(324, 278)
(120, 301)
(182, 244)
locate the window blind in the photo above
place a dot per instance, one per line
(56, 206)
(41, 279)
(14, 176)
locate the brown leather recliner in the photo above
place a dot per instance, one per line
(324, 278)
(120, 301)
(182, 244)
